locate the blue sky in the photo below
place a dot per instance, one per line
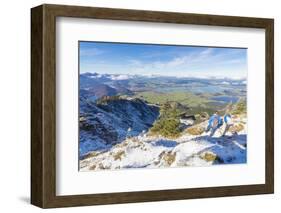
(165, 60)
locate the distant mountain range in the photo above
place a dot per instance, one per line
(122, 77)
(94, 85)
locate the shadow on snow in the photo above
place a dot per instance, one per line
(166, 143)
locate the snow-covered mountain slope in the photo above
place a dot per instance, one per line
(146, 151)
(104, 124)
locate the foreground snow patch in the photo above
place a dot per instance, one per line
(155, 152)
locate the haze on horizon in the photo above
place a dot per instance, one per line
(162, 60)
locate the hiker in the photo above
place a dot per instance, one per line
(228, 123)
(214, 123)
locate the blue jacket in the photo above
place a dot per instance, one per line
(213, 118)
(226, 118)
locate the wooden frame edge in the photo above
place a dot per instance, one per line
(269, 105)
(36, 106)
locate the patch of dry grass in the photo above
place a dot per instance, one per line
(123, 144)
(118, 155)
(169, 158)
(236, 128)
(195, 130)
(90, 155)
(208, 156)
(101, 166)
(93, 167)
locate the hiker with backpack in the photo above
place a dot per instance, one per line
(214, 123)
(228, 122)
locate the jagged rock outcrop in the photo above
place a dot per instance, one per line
(111, 121)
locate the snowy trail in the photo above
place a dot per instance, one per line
(155, 152)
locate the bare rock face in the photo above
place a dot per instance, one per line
(109, 123)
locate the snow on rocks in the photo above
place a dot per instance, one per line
(145, 151)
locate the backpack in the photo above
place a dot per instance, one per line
(226, 118)
(215, 122)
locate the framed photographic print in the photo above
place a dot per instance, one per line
(136, 106)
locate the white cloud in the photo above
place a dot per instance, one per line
(134, 62)
(201, 63)
(120, 77)
(91, 52)
(205, 63)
